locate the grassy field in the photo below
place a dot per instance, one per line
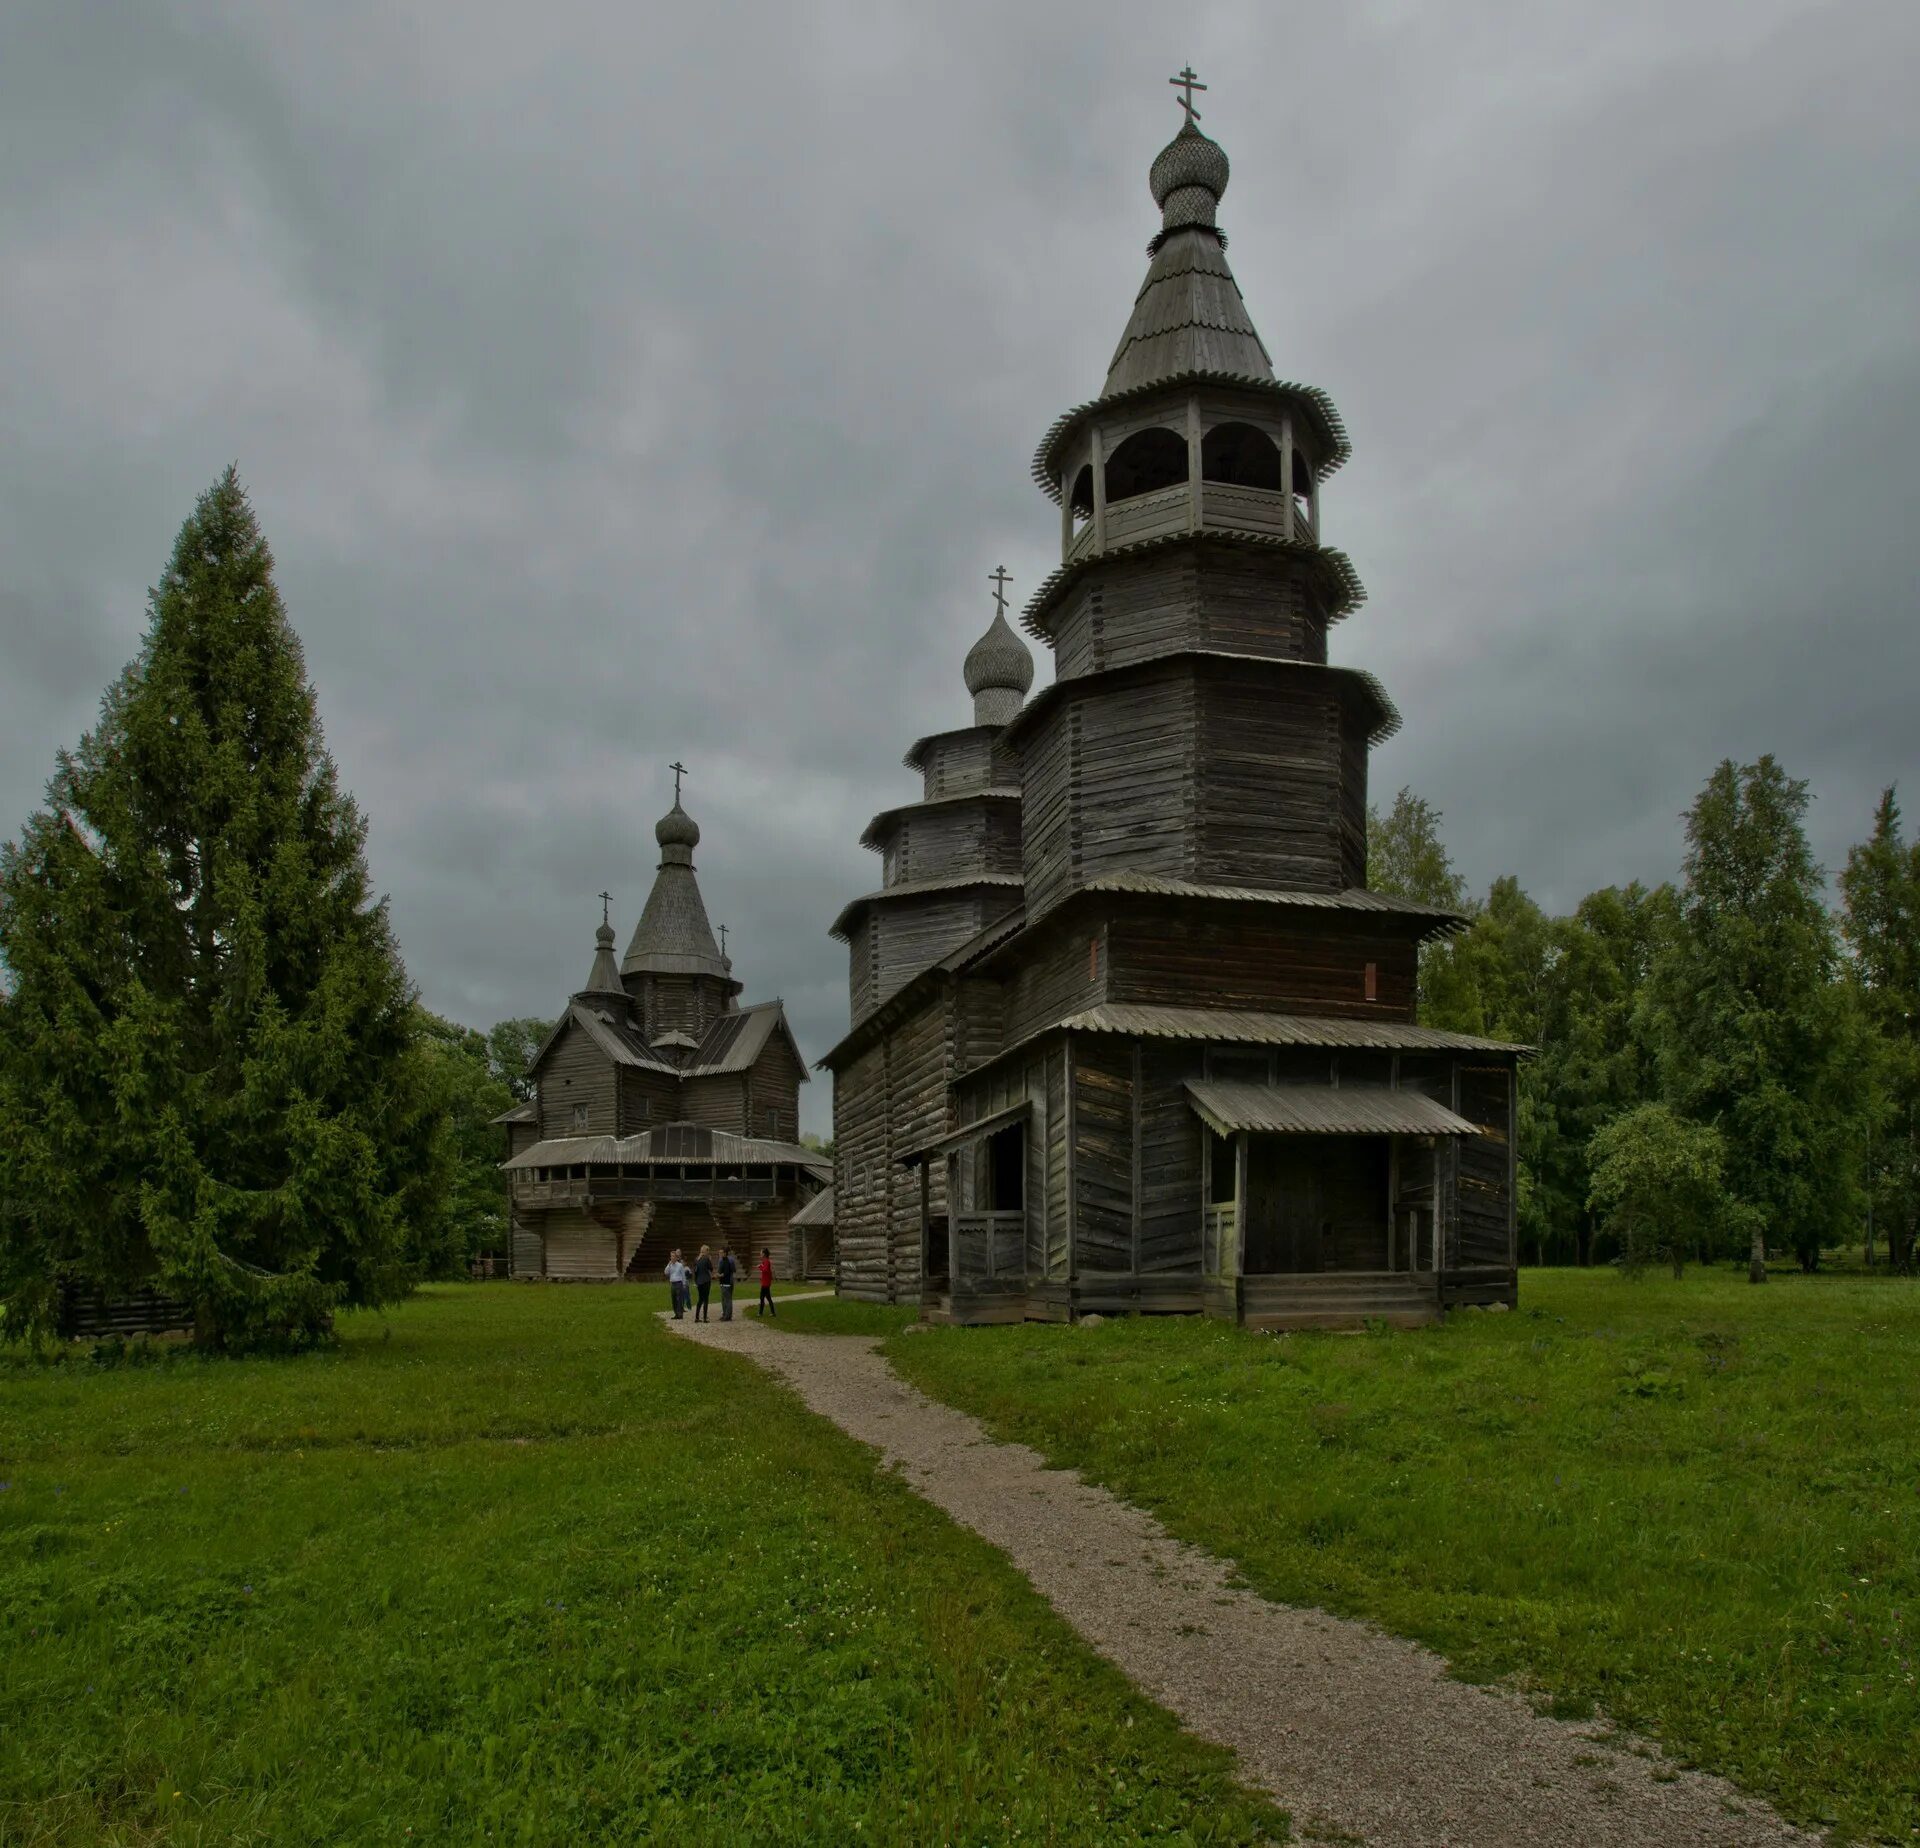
(515, 1565)
(826, 1315)
(1693, 1503)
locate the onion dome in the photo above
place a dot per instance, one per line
(999, 672)
(1188, 318)
(676, 828)
(1188, 178)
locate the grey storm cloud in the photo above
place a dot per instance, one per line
(618, 383)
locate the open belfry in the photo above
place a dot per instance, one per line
(1129, 1031)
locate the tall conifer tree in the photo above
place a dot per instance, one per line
(209, 1075)
(1881, 887)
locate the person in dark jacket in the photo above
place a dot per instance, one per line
(702, 1281)
(766, 1283)
(729, 1269)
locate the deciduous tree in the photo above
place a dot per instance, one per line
(1657, 1184)
(1752, 1032)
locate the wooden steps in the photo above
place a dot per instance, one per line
(1338, 1299)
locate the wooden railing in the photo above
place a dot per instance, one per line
(1222, 504)
(640, 1187)
(989, 1244)
(1220, 1239)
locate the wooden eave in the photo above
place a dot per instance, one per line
(1249, 1027)
(875, 836)
(1228, 1108)
(1431, 920)
(916, 757)
(915, 992)
(976, 1131)
(916, 888)
(1309, 399)
(1386, 722)
(1339, 583)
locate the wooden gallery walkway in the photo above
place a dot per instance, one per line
(1359, 1734)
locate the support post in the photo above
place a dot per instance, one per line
(1066, 513)
(1286, 477)
(1099, 490)
(1195, 511)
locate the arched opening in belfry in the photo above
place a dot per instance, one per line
(1241, 456)
(1081, 499)
(1146, 462)
(1303, 486)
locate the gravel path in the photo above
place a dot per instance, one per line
(1362, 1736)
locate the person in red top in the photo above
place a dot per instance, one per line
(766, 1307)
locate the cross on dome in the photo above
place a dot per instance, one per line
(1187, 82)
(679, 770)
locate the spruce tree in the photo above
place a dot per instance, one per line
(1753, 1032)
(209, 1069)
(1881, 888)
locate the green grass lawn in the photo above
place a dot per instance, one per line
(1694, 1503)
(827, 1315)
(513, 1564)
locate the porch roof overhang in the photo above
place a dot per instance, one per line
(974, 1132)
(1320, 1110)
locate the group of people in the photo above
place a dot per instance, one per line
(695, 1281)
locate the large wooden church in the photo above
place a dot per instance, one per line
(664, 1113)
(1129, 1030)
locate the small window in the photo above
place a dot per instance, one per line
(1373, 981)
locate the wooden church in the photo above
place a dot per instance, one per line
(665, 1113)
(1129, 1031)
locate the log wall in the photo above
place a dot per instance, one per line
(1161, 953)
(1244, 602)
(576, 1074)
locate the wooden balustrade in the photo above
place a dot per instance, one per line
(989, 1244)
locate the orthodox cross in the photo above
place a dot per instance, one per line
(679, 770)
(606, 909)
(999, 580)
(723, 943)
(1187, 83)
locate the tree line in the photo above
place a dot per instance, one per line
(1724, 1065)
(217, 1081)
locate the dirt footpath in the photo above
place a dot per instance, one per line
(1360, 1735)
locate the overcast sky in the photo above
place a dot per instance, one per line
(618, 383)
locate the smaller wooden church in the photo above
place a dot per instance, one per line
(665, 1113)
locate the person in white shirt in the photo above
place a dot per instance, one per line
(677, 1277)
